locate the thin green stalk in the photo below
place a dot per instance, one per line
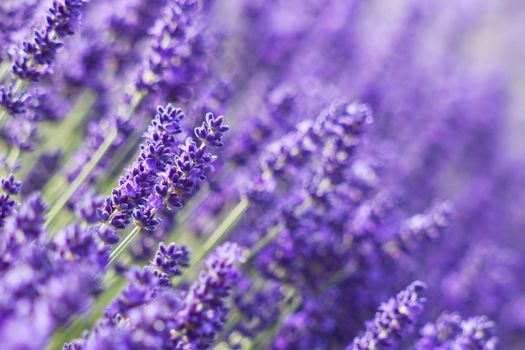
(11, 159)
(235, 315)
(4, 70)
(123, 245)
(75, 329)
(60, 222)
(274, 232)
(90, 166)
(86, 170)
(120, 158)
(19, 86)
(262, 341)
(222, 230)
(63, 133)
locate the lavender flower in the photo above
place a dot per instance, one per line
(212, 130)
(7, 204)
(203, 311)
(451, 332)
(337, 129)
(476, 333)
(169, 260)
(158, 316)
(37, 56)
(137, 185)
(15, 17)
(392, 320)
(11, 186)
(170, 62)
(46, 165)
(21, 133)
(420, 227)
(12, 104)
(22, 228)
(77, 243)
(143, 191)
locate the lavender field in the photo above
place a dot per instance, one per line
(262, 174)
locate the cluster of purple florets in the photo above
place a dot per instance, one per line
(165, 172)
(37, 56)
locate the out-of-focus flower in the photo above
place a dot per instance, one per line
(392, 320)
(36, 57)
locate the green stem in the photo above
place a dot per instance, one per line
(12, 157)
(75, 329)
(123, 245)
(119, 159)
(274, 232)
(262, 341)
(86, 170)
(222, 230)
(64, 133)
(137, 98)
(4, 70)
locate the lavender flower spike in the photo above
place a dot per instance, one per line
(7, 204)
(204, 309)
(169, 260)
(476, 333)
(37, 56)
(451, 332)
(11, 103)
(392, 320)
(136, 186)
(165, 64)
(212, 130)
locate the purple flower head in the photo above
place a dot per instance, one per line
(259, 307)
(134, 197)
(420, 228)
(329, 141)
(170, 259)
(11, 186)
(144, 217)
(108, 235)
(46, 165)
(476, 333)
(392, 320)
(340, 129)
(204, 309)
(13, 104)
(7, 206)
(188, 170)
(145, 308)
(21, 228)
(21, 133)
(16, 18)
(86, 207)
(70, 291)
(170, 61)
(212, 130)
(143, 284)
(430, 223)
(28, 223)
(450, 331)
(77, 243)
(437, 335)
(166, 123)
(64, 17)
(36, 57)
